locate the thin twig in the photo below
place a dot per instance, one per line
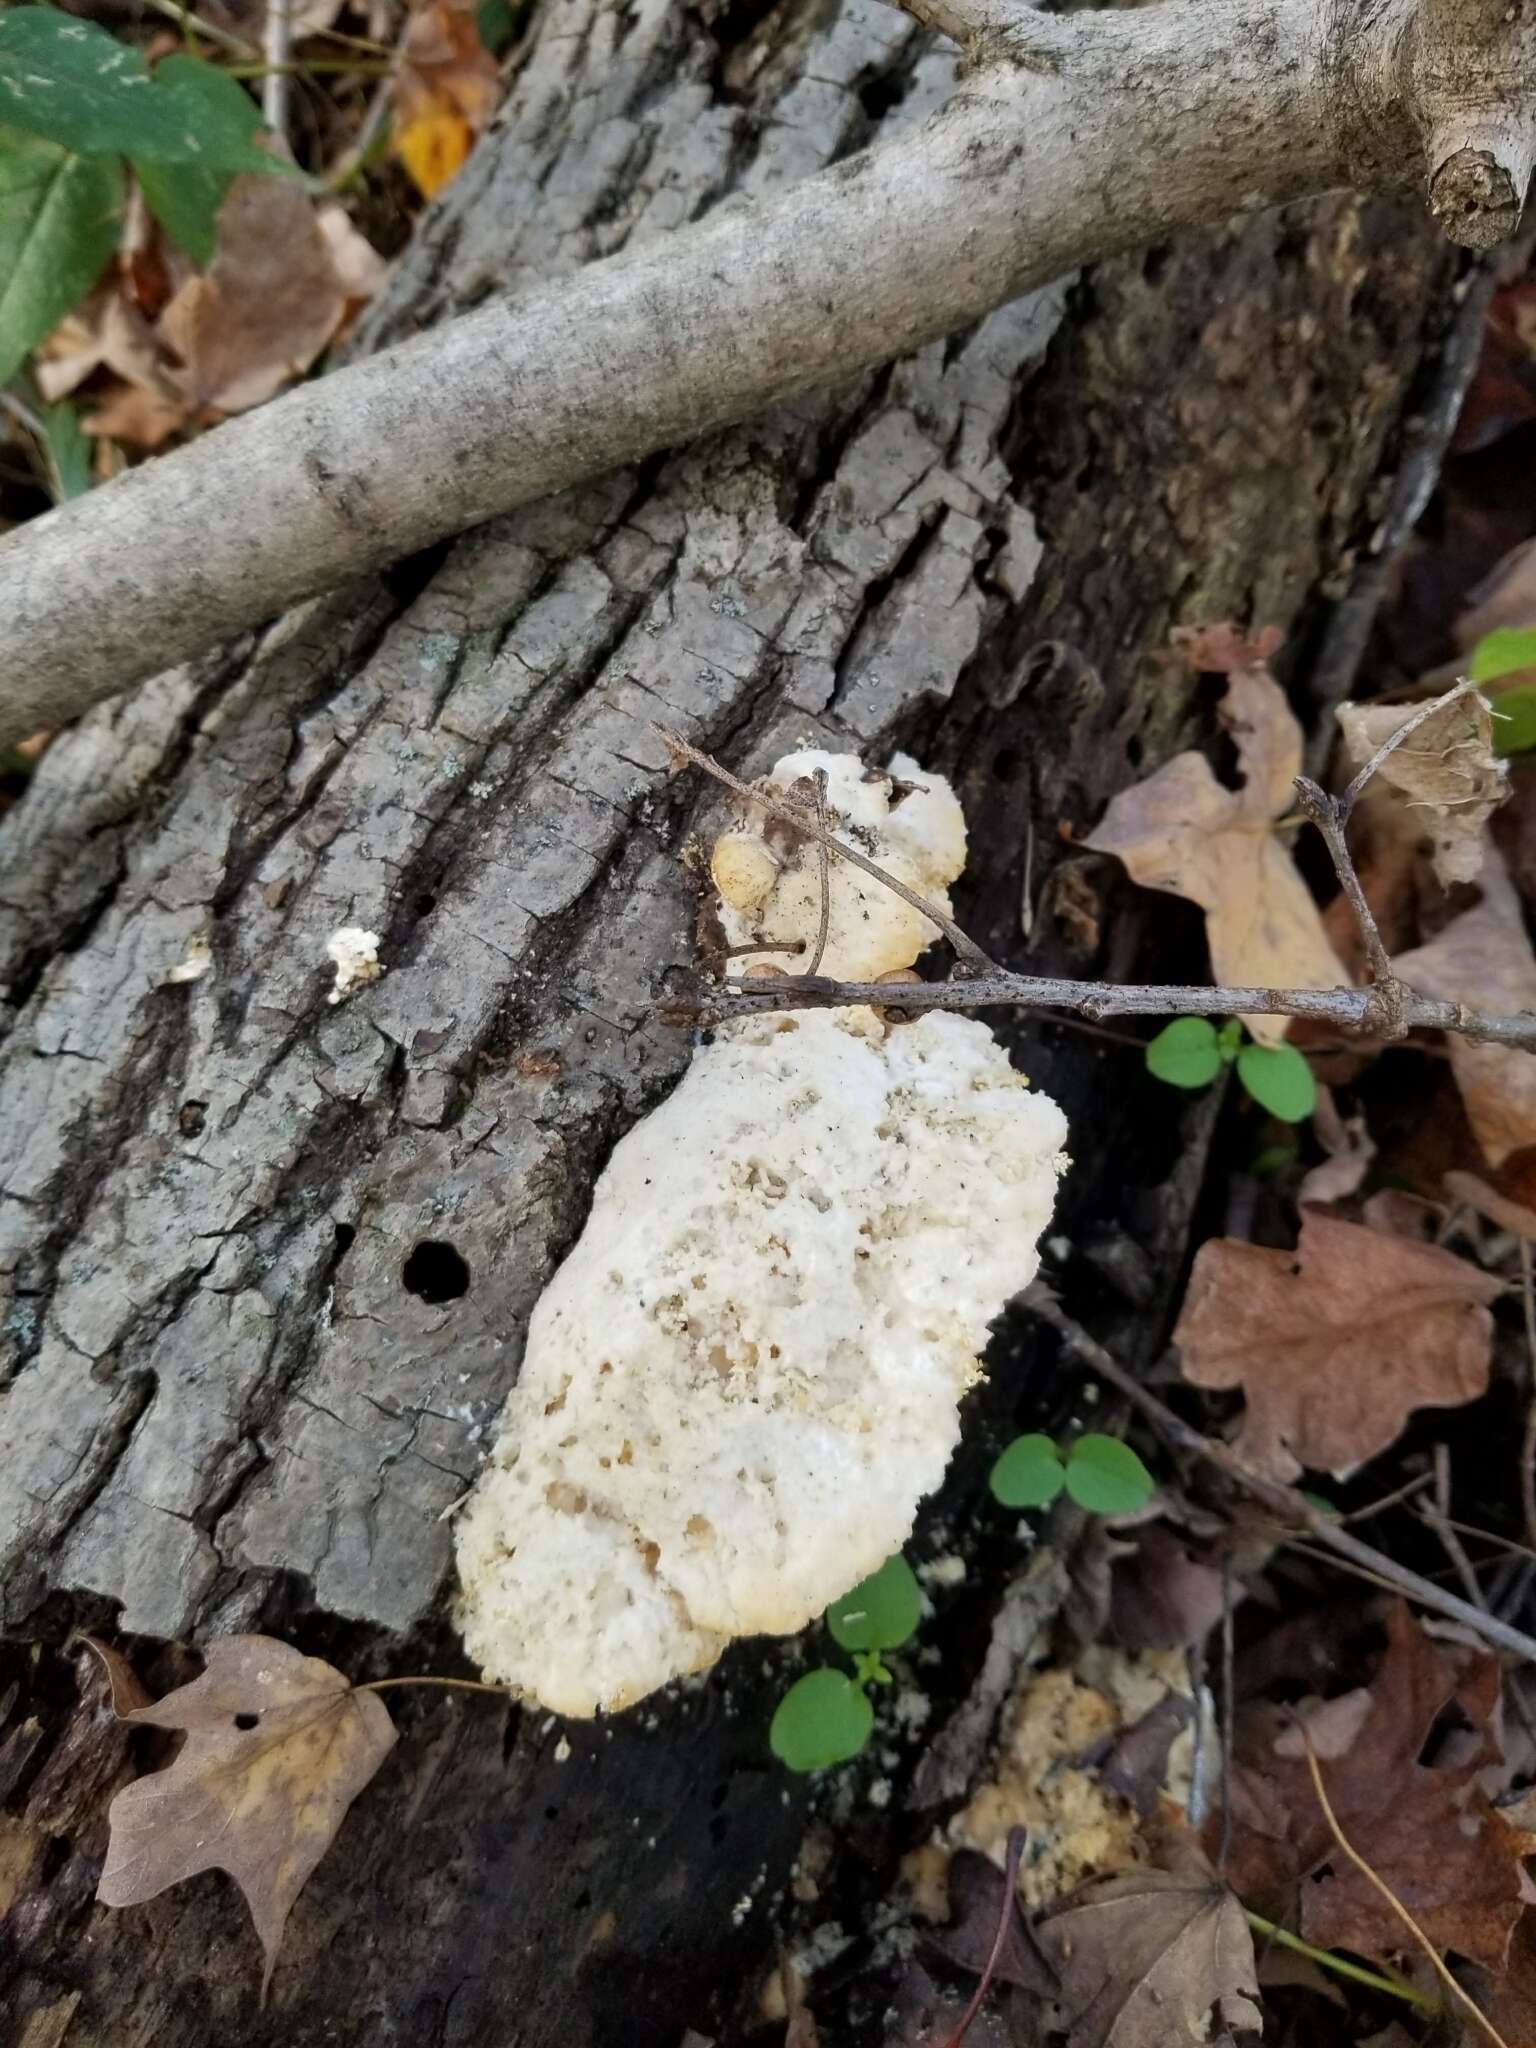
(1350, 1009)
(1433, 1514)
(1293, 1509)
(277, 55)
(824, 866)
(796, 815)
(450, 1684)
(1379, 1885)
(193, 25)
(1329, 815)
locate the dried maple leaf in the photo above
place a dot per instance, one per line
(1335, 1344)
(1151, 1957)
(1445, 772)
(278, 1746)
(1484, 958)
(446, 90)
(1180, 830)
(1428, 1832)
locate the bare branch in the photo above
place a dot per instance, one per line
(1076, 138)
(1355, 1010)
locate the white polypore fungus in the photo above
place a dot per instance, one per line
(747, 1373)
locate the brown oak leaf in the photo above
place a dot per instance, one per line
(1427, 1830)
(1484, 958)
(1180, 830)
(1149, 1957)
(1335, 1344)
(278, 1746)
(1444, 776)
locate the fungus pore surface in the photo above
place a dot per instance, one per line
(747, 1373)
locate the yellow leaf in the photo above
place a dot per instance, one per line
(433, 150)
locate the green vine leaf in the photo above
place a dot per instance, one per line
(1186, 1053)
(71, 83)
(880, 1612)
(59, 214)
(1106, 1476)
(1502, 652)
(823, 1719)
(1279, 1080)
(1029, 1474)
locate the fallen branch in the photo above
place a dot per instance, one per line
(1072, 138)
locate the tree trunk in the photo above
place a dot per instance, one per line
(271, 1261)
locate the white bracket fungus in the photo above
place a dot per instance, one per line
(748, 1371)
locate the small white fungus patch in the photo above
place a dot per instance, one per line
(193, 964)
(748, 1371)
(356, 956)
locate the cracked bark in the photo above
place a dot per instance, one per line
(222, 1404)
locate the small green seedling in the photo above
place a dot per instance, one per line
(1099, 1472)
(1190, 1052)
(1505, 653)
(825, 1718)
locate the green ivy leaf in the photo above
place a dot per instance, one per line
(58, 227)
(68, 448)
(1029, 1474)
(185, 198)
(880, 1612)
(822, 1720)
(1514, 722)
(1106, 1476)
(1502, 653)
(72, 83)
(1185, 1053)
(1279, 1080)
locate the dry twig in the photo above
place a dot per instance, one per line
(1387, 1009)
(1292, 1509)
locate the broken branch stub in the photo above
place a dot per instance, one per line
(1074, 138)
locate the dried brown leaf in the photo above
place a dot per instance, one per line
(267, 305)
(1335, 1344)
(1484, 958)
(1180, 830)
(1350, 1148)
(278, 1746)
(1445, 773)
(1151, 1957)
(1506, 597)
(1429, 1832)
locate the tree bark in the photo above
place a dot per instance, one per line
(269, 1261)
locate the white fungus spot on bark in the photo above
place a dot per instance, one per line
(356, 957)
(747, 1373)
